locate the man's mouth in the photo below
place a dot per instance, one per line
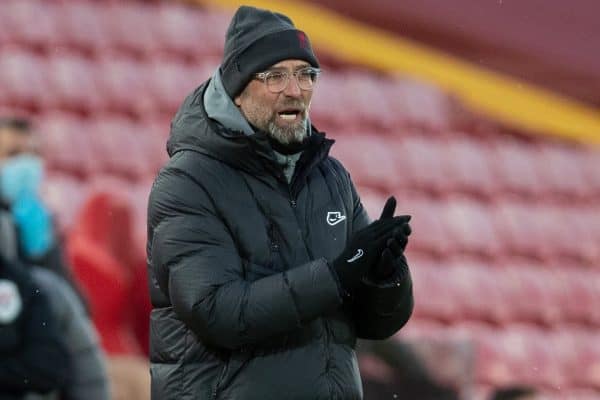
(290, 114)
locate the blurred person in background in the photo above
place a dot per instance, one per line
(33, 354)
(21, 208)
(28, 241)
(264, 266)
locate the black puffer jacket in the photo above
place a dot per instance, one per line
(245, 304)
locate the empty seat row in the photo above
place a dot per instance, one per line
(543, 172)
(110, 83)
(116, 82)
(351, 100)
(508, 227)
(137, 28)
(554, 360)
(470, 290)
(112, 145)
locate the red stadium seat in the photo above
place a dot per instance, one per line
(73, 84)
(369, 159)
(66, 145)
(429, 277)
(170, 82)
(83, 25)
(515, 168)
(23, 79)
(521, 229)
(124, 84)
(421, 163)
(31, 23)
(416, 104)
(327, 108)
(469, 170)
(561, 172)
(430, 233)
(471, 227)
(178, 29)
(371, 109)
(131, 27)
(590, 164)
(109, 136)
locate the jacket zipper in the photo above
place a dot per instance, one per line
(328, 357)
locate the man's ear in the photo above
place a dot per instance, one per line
(238, 101)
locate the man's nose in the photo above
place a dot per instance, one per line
(293, 89)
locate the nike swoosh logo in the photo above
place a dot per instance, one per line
(335, 217)
(359, 254)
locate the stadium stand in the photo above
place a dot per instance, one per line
(505, 251)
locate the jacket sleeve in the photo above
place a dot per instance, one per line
(380, 308)
(197, 265)
(383, 308)
(42, 363)
(89, 379)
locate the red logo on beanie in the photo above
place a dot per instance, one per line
(302, 39)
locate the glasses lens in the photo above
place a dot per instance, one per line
(276, 81)
(307, 78)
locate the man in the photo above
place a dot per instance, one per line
(33, 357)
(264, 268)
(26, 237)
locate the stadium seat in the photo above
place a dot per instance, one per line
(469, 170)
(178, 29)
(514, 167)
(417, 104)
(30, 23)
(66, 145)
(521, 229)
(561, 172)
(421, 164)
(471, 227)
(358, 152)
(23, 79)
(170, 82)
(124, 83)
(590, 162)
(83, 26)
(430, 231)
(585, 224)
(371, 109)
(72, 83)
(328, 111)
(429, 277)
(119, 147)
(131, 27)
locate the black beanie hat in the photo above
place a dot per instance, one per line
(257, 39)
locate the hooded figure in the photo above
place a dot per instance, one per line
(264, 267)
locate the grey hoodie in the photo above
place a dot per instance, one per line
(220, 107)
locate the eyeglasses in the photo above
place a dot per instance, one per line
(277, 81)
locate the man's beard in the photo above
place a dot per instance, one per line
(288, 134)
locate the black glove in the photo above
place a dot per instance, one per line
(364, 249)
(395, 246)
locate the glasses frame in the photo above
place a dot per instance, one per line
(264, 76)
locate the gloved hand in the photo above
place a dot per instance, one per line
(395, 246)
(364, 248)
